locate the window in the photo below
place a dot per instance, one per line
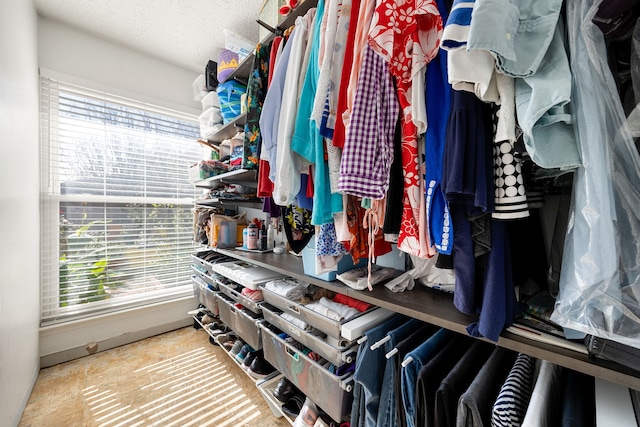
(115, 202)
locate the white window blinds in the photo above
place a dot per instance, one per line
(115, 202)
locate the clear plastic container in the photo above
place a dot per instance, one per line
(210, 122)
(210, 100)
(238, 44)
(199, 88)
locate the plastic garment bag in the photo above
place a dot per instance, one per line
(600, 277)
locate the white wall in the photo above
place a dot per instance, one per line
(19, 211)
(80, 58)
(90, 61)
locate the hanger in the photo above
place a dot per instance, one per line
(380, 343)
(391, 353)
(362, 339)
(406, 362)
(275, 31)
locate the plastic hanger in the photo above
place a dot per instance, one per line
(406, 362)
(380, 342)
(391, 353)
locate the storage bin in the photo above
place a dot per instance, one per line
(198, 259)
(209, 280)
(336, 355)
(228, 145)
(330, 392)
(234, 291)
(224, 234)
(210, 122)
(197, 290)
(210, 100)
(246, 274)
(244, 323)
(394, 259)
(199, 88)
(230, 97)
(309, 263)
(238, 44)
(228, 61)
(328, 326)
(207, 296)
(206, 169)
(266, 388)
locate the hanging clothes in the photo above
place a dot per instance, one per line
(474, 407)
(407, 35)
(330, 71)
(534, 53)
(514, 395)
(420, 356)
(387, 412)
(307, 141)
(367, 379)
(288, 164)
(457, 381)
(256, 93)
(265, 185)
(346, 98)
(473, 70)
(403, 348)
(343, 48)
(545, 406)
(368, 150)
(431, 375)
(359, 246)
(438, 108)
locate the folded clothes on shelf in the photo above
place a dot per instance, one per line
(291, 289)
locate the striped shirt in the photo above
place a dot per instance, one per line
(456, 29)
(512, 401)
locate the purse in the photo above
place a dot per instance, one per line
(230, 98)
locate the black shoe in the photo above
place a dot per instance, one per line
(260, 368)
(248, 360)
(293, 406)
(284, 390)
(246, 349)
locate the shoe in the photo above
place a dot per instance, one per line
(248, 359)
(206, 319)
(243, 353)
(228, 345)
(237, 346)
(260, 368)
(284, 390)
(293, 406)
(224, 337)
(214, 329)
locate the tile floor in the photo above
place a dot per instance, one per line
(174, 379)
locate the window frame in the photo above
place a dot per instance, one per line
(51, 198)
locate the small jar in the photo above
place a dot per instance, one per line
(252, 237)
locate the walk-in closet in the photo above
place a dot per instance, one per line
(308, 213)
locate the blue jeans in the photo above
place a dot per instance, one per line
(367, 378)
(421, 356)
(387, 415)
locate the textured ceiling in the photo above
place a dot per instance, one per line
(185, 32)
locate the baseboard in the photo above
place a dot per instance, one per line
(128, 338)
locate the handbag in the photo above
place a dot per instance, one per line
(230, 98)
